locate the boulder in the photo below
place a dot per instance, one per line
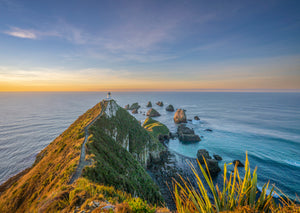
(149, 104)
(180, 116)
(126, 107)
(187, 135)
(189, 138)
(213, 167)
(218, 157)
(238, 162)
(182, 129)
(135, 111)
(203, 153)
(196, 118)
(160, 103)
(208, 130)
(134, 106)
(170, 108)
(152, 113)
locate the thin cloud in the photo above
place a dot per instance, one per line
(21, 33)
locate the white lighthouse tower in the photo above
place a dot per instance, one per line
(108, 97)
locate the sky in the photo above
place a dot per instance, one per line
(95, 45)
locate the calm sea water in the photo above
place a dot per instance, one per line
(266, 125)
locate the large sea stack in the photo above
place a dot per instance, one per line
(180, 116)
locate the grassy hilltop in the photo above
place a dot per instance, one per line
(118, 148)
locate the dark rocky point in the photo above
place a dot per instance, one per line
(196, 118)
(238, 162)
(187, 135)
(160, 103)
(149, 104)
(218, 157)
(170, 108)
(203, 153)
(213, 167)
(182, 129)
(208, 130)
(163, 138)
(152, 113)
(180, 116)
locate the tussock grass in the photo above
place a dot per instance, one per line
(236, 195)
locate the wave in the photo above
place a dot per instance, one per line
(293, 163)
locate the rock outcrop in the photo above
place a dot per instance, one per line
(149, 104)
(135, 111)
(203, 153)
(134, 106)
(160, 103)
(180, 116)
(170, 108)
(212, 164)
(208, 130)
(187, 135)
(182, 129)
(218, 157)
(126, 107)
(196, 118)
(152, 113)
(238, 162)
(213, 167)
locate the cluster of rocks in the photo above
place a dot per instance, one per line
(152, 113)
(187, 135)
(212, 164)
(134, 107)
(160, 103)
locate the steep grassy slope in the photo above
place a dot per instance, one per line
(44, 187)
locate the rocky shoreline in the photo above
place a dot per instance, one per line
(170, 168)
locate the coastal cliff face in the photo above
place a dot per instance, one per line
(118, 124)
(117, 151)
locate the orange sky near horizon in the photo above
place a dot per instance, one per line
(253, 83)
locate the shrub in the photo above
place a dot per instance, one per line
(137, 205)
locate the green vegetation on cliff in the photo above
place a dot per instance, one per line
(155, 128)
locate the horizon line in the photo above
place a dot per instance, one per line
(170, 90)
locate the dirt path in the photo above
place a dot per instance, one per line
(82, 161)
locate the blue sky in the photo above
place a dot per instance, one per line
(149, 45)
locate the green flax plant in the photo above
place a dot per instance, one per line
(235, 194)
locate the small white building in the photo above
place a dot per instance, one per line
(108, 97)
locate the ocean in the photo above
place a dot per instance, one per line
(265, 125)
